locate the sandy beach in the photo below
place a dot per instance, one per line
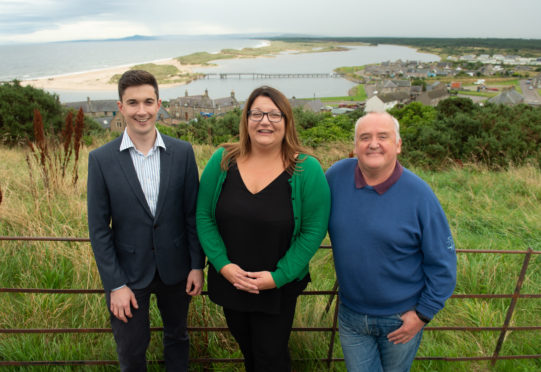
(96, 80)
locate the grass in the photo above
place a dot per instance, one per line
(444, 52)
(350, 72)
(165, 74)
(356, 94)
(490, 83)
(469, 81)
(478, 94)
(486, 210)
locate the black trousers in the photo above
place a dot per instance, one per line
(132, 338)
(263, 338)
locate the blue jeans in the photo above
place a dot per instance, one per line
(365, 345)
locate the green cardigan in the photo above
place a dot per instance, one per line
(311, 201)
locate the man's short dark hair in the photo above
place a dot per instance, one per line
(135, 78)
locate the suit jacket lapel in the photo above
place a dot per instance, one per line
(126, 164)
(165, 171)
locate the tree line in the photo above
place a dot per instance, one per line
(456, 131)
(427, 42)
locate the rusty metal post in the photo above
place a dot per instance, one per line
(514, 299)
(333, 333)
(331, 296)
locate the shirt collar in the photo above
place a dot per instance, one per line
(127, 142)
(385, 185)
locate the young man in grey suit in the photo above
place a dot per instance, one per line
(142, 191)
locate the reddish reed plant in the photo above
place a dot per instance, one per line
(79, 126)
(39, 136)
(52, 166)
(42, 151)
(67, 134)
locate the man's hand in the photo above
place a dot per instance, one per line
(194, 283)
(262, 279)
(239, 278)
(411, 326)
(121, 299)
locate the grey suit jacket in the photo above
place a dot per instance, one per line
(130, 244)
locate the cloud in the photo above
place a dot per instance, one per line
(48, 20)
(192, 28)
(26, 20)
(83, 30)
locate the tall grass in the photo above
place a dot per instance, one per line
(486, 210)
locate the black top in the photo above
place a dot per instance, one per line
(257, 231)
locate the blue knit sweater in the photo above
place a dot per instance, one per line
(392, 252)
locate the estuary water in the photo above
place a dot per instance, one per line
(52, 59)
(31, 61)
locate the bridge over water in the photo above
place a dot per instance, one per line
(261, 75)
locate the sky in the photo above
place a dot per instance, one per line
(24, 21)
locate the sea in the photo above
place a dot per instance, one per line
(31, 61)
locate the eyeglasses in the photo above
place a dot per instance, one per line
(273, 116)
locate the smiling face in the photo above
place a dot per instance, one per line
(140, 106)
(264, 133)
(376, 144)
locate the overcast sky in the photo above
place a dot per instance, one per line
(56, 20)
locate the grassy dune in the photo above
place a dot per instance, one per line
(165, 74)
(486, 210)
(275, 47)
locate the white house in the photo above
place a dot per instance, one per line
(374, 104)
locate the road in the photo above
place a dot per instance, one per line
(531, 97)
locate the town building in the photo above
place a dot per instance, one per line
(507, 97)
(314, 105)
(189, 107)
(107, 113)
(374, 104)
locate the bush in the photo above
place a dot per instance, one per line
(458, 131)
(338, 128)
(455, 132)
(17, 105)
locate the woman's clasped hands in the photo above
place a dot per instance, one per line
(251, 282)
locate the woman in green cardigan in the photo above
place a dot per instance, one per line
(262, 212)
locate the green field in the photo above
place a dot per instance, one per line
(357, 94)
(486, 210)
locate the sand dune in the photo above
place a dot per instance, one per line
(95, 80)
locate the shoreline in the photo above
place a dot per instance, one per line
(99, 80)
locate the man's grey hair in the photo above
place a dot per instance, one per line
(384, 113)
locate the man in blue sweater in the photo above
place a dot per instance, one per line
(393, 250)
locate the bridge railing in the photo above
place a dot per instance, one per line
(270, 75)
(332, 305)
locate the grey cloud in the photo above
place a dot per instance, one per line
(28, 16)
